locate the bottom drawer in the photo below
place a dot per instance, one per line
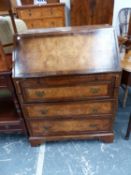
(11, 128)
(45, 23)
(69, 126)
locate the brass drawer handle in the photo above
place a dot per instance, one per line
(94, 90)
(93, 125)
(45, 111)
(46, 128)
(94, 110)
(7, 127)
(40, 93)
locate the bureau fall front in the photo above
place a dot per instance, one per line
(67, 82)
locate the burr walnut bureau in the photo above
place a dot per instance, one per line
(67, 81)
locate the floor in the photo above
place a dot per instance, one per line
(17, 157)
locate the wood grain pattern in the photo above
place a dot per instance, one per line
(60, 93)
(69, 126)
(44, 16)
(67, 80)
(69, 109)
(90, 12)
(62, 54)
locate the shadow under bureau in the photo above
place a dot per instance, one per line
(67, 81)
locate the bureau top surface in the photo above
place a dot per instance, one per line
(65, 51)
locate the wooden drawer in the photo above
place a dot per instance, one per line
(65, 89)
(68, 109)
(63, 127)
(66, 93)
(11, 128)
(35, 23)
(54, 22)
(33, 13)
(45, 23)
(69, 80)
(41, 13)
(55, 12)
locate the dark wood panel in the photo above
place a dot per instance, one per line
(10, 113)
(90, 12)
(57, 127)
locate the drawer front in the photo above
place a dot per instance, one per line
(65, 93)
(54, 22)
(11, 128)
(45, 23)
(41, 13)
(35, 23)
(53, 12)
(29, 13)
(63, 127)
(68, 109)
(67, 88)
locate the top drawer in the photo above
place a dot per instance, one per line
(41, 12)
(63, 89)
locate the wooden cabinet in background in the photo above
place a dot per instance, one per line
(67, 81)
(44, 16)
(11, 119)
(91, 12)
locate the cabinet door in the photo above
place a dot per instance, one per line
(88, 12)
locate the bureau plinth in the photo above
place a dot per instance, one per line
(67, 81)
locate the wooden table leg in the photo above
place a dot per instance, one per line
(125, 97)
(128, 129)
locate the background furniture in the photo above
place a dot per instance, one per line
(44, 16)
(89, 12)
(126, 74)
(124, 20)
(124, 17)
(72, 91)
(125, 42)
(7, 33)
(10, 113)
(6, 6)
(9, 26)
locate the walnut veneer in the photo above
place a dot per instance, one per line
(67, 80)
(44, 16)
(90, 12)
